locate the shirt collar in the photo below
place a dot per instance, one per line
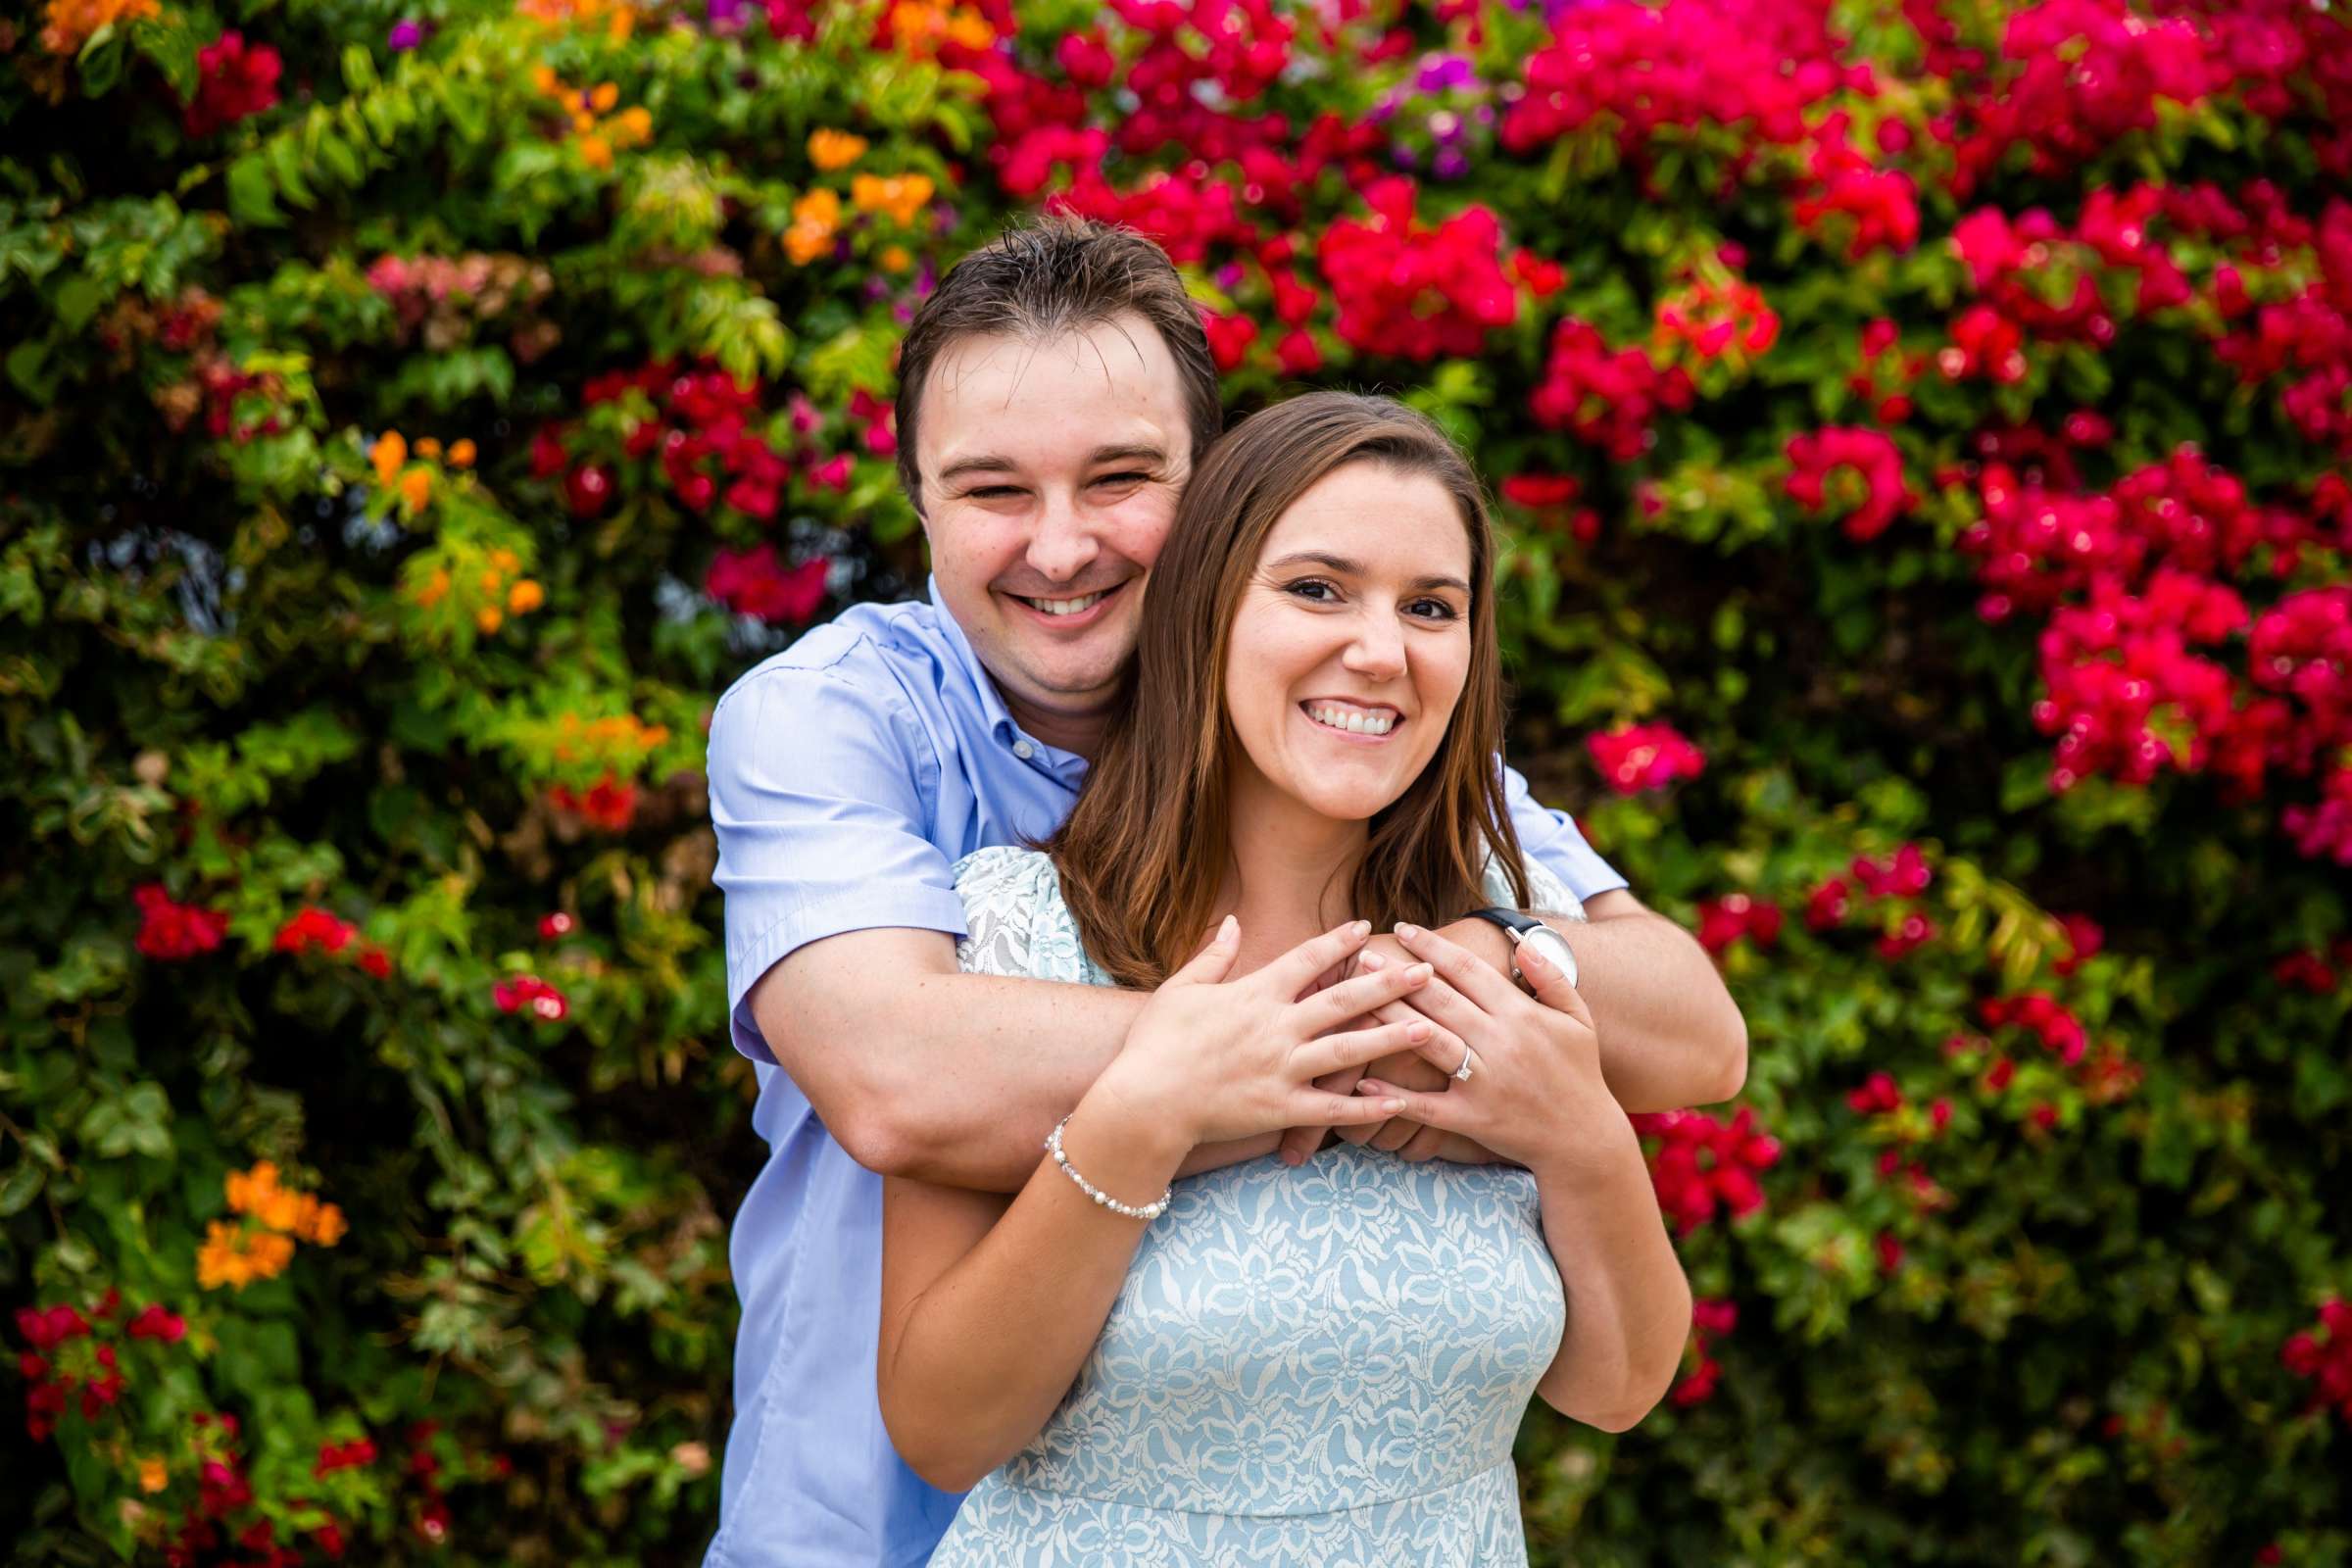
(1001, 726)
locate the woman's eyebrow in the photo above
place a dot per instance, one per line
(1353, 568)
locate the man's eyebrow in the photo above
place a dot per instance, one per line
(992, 462)
(1355, 568)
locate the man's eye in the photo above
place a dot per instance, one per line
(1122, 478)
(992, 492)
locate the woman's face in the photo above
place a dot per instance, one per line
(1351, 641)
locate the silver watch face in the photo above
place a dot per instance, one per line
(1554, 947)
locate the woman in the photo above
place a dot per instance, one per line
(1274, 1365)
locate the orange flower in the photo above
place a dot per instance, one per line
(815, 217)
(895, 259)
(829, 150)
(232, 1255)
(435, 590)
(461, 453)
(901, 196)
(416, 488)
(489, 618)
(390, 455)
(326, 1226)
(596, 152)
(505, 560)
(633, 127)
(427, 448)
(603, 97)
(153, 1476)
(526, 597)
(70, 22)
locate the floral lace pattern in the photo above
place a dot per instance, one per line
(1325, 1365)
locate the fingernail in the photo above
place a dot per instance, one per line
(1225, 932)
(1532, 957)
(1416, 975)
(1369, 1086)
(1292, 1158)
(1361, 928)
(1392, 1106)
(1408, 932)
(1416, 1031)
(1370, 961)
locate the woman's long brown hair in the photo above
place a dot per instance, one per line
(1147, 848)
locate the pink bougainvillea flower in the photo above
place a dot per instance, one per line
(1634, 758)
(755, 582)
(529, 992)
(1825, 459)
(234, 81)
(169, 931)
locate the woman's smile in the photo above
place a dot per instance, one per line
(1353, 721)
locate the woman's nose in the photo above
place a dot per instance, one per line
(1377, 649)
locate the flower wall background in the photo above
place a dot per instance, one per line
(1922, 426)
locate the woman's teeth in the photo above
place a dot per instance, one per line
(1354, 720)
(1068, 606)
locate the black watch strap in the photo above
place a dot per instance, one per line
(1509, 919)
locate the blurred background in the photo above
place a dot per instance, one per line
(1922, 429)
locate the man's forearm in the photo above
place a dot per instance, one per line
(1670, 1034)
(978, 1070)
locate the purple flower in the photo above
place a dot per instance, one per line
(406, 35)
(726, 16)
(1440, 72)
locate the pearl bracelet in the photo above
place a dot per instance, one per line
(1148, 1211)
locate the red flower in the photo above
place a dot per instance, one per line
(155, 1323)
(171, 931)
(545, 1001)
(553, 926)
(609, 805)
(1725, 920)
(314, 930)
(1634, 758)
(755, 582)
(1869, 501)
(234, 82)
(1412, 292)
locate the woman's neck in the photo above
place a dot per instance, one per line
(1293, 869)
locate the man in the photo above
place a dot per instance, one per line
(1054, 394)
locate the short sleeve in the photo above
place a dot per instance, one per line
(1017, 920)
(820, 789)
(1551, 840)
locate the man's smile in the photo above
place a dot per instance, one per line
(1069, 612)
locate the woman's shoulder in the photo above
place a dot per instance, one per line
(1545, 890)
(1018, 922)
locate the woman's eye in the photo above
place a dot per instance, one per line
(1432, 609)
(1314, 590)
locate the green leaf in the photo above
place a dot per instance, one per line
(252, 199)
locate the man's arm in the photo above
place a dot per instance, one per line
(921, 1071)
(1670, 1034)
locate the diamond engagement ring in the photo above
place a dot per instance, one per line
(1461, 1074)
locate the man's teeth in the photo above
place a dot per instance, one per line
(1352, 720)
(1068, 606)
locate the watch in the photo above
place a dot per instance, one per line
(1525, 929)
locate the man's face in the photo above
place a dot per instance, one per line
(1050, 474)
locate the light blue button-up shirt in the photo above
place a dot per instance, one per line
(847, 774)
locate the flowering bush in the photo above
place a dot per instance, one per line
(1921, 429)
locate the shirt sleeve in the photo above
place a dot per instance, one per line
(1551, 839)
(820, 786)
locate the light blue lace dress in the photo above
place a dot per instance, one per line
(1323, 1366)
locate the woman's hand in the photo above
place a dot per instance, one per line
(1534, 1096)
(1232, 1059)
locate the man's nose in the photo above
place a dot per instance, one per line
(1377, 649)
(1063, 544)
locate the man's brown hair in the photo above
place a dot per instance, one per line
(1052, 275)
(1146, 849)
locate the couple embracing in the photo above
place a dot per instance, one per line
(1071, 911)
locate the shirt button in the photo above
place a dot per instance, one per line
(1023, 750)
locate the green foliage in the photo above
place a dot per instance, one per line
(415, 726)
